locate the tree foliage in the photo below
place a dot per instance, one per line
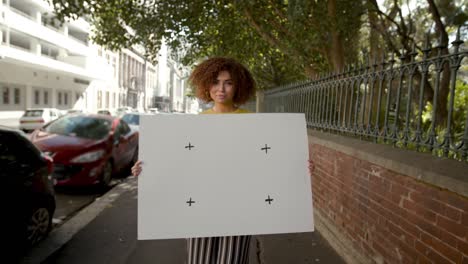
(407, 28)
(280, 41)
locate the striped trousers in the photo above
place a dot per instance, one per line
(219, 250)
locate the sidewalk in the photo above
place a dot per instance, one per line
(10, 118)
(111, 238)
(10, 122)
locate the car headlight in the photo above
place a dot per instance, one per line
(89, 156)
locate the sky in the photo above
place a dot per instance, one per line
(408, 4)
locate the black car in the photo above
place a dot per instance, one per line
(27, 195)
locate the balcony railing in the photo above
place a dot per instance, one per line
(26, 24)
(78, 40)
(21, 13)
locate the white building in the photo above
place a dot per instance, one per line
(172, 85)
(43, 64)
(137, 79)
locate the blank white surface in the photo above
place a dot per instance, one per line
(226, 173)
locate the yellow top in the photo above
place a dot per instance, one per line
(238, 111)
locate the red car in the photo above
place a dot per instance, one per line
(87, 149)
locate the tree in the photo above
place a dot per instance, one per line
(280, 41)
(402, 33)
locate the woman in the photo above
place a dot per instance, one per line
(228, 84)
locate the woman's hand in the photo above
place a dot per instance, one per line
(311, 166)
(136, 169)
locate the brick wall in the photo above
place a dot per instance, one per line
(386, 216)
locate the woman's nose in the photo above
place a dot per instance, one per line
(220, 87)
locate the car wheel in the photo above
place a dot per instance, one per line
(106, 175)
(128, 169)
(39, 225)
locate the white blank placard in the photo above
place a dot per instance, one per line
(223, 175)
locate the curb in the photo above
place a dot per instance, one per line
(60, 236)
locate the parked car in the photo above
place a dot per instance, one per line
(34, 118)
(104, 112)
(73, 111)
(88, 149)
(123, 110)
(27, 197)
(153, 110)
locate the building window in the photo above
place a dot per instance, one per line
(46, 97)
(65, 98)
(59, 98)
(77, 97)
(125, 71)
(120, 69)
(99, 98)
(6, 95)
(36, 97)
(17, 96)
(85, 99)
(2, 34)
(107, 100)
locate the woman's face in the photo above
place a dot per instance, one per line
(222, 90)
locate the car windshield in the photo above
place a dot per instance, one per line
(33, 113)
(80, 126)
(131, 119)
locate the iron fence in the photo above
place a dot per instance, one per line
(411, 103)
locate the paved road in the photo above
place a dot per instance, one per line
(111, 238)
(69, 201)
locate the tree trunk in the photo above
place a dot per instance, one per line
(335, 52)
(376, 53)
(310, 71)
(442, 99)
(374, 36)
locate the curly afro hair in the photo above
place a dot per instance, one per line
(206, 73)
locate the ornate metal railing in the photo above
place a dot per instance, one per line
(411, 103)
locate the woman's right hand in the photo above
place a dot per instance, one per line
(136, 169)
